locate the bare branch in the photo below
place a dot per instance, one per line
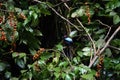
(60, 15)
(80, 23)
(87, 34)
(107, 27)
(114, 47)
(106, 45)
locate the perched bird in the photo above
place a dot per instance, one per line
(68, 41)
(68, 50)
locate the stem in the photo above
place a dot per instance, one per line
(106, 45)
(60, 15)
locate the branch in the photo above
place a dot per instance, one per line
(60, 15)
(88, 35)
(106, 45)
(106, 26)
(114, 47)
(106, 34)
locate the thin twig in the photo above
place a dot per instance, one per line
(106, 34)
(60, 15)
(67, 58)
(91, 55)
(93, 43)
(84, 29)
(106, 45)
(114, 47)
(107, 27)
(6, 10)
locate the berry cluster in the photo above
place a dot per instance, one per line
(88, 12)
(3, 36)
(38, 53)
(12, 22)
(99, 66)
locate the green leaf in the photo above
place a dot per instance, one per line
(116, 19)
(35, 16)
(67, 77)
(112, 13)
(57, 75)
(87, 51)
(21, 55)
(101, 31)
(31, 13)
(88, 76)
(80, 53)
(15, 54)
(41, 63)
(59, 47)
(56, 59)
(46, 56)
(14, 78)
(100, 43)
(26, 21)
(29, 29)
(18, 10)
(2, 66)
(79, 12)
(108, 52)
(57, 69)
(73, 33)
(63, 64)
(37, 33)
(7, 75)
(75, 60)
(20, 63)
(117, 67)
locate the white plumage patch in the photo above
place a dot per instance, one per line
(68, 39)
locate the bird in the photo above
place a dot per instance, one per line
(68, 50)
(68, 41)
